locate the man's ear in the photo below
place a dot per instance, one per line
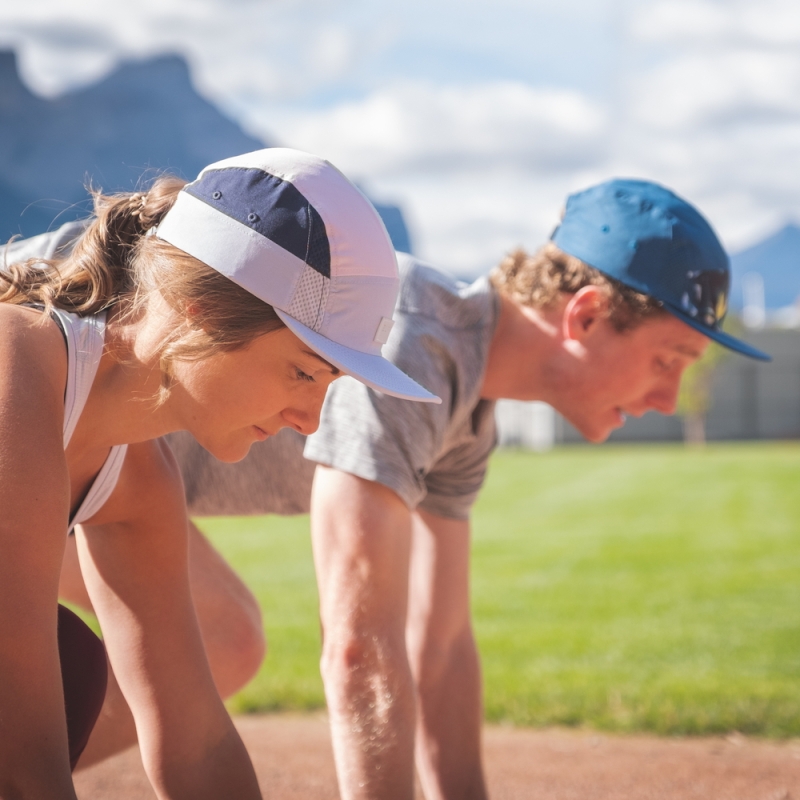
(583, 311)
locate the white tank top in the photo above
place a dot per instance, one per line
(85, 337)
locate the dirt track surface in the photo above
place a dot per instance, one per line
(292, 756)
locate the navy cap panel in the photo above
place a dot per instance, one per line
(272, 207)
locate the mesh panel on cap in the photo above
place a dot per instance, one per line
(308, 303)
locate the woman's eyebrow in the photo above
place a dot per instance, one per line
(334, 370)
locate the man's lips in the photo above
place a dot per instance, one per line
(261, 434)
(621, 417)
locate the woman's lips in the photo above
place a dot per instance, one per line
(261, 434)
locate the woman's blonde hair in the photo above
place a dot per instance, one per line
(538, 280)
(114, 264)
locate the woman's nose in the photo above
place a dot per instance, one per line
(305, 418)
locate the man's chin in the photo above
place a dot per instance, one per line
(594, 433)
(597, 437)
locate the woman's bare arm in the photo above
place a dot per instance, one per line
(134, 560)
(34, 508)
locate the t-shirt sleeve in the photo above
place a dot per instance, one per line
(382, 438)
(454, 482)
(54, 244)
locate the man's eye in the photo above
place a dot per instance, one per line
(662, 365)
(304, 376)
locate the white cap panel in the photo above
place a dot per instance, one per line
(375, 297)
(369, 253)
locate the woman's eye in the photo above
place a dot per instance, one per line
(304, 376)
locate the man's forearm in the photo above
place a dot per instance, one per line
(444, 661)
(361, 533)
(450, 712)
(371, 706)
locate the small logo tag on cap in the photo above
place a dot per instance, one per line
(384, 329)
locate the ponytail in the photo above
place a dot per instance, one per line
(114, 263)
(99, 271)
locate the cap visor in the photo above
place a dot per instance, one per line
(725, 339)
(374, 371)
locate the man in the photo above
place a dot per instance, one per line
(601, 323)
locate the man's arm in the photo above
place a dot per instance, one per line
(444, 661)
(361, 532)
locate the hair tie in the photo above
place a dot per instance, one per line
(137, 203)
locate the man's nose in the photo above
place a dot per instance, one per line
(664, 397)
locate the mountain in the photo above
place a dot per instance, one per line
(144, 118)
(777, 259)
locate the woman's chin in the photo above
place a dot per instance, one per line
(227, 452)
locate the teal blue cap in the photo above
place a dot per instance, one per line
(648, 238)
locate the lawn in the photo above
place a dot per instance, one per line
(621, 587)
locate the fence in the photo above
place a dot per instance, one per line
(750, 400)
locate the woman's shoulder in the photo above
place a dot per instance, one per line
(31, 348)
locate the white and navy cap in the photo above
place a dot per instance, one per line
(292, 230)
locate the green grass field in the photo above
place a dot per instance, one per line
(623, 588)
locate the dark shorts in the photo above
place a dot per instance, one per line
(84, 674)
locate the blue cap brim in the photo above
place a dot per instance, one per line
(725, 339)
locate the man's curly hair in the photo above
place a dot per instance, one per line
(538, 280)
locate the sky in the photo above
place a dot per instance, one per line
(478, 118)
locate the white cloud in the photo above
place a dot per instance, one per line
(717, 114)
(469, 221)
(718, 23)
(420, 127)
(722, 89)
(249, 48)
(707, 101)
(478, 169)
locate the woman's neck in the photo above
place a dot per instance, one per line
(124, 405)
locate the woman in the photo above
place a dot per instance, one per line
(225, 308)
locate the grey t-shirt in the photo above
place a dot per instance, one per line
(433, 456)
(54, 244)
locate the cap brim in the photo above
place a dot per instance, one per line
(725, 339)
(372, 370)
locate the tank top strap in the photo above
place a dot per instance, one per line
(85, 337)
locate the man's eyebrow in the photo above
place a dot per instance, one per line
(687, 350)
(334, 370)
